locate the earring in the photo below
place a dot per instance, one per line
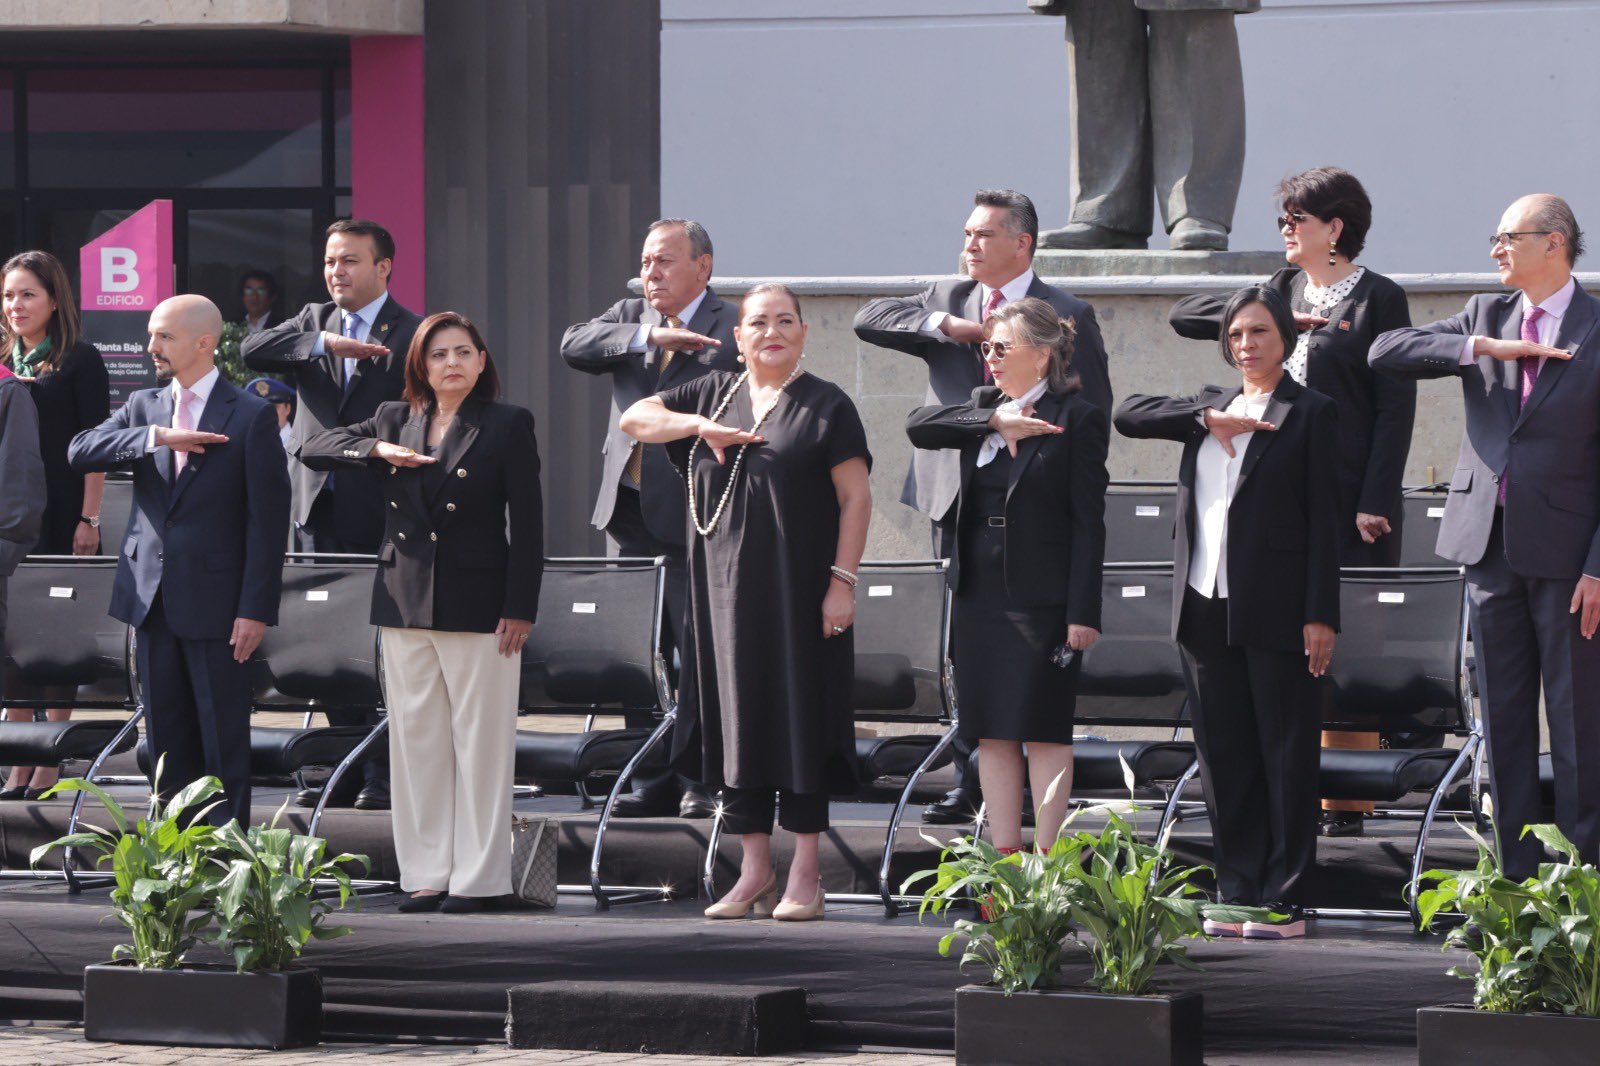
(1332, 256)
(741, 357)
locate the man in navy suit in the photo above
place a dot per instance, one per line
(201, 565)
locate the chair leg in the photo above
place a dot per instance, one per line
(67, 855)
(1419, 853)
(1172, 814)
(708, 872)
(379, 730)
(885, 891)
(602, 900)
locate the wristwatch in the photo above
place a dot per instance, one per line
(94, 522)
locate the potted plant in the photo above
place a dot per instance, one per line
(1536, 989)
(1128, 895)
(180, 881)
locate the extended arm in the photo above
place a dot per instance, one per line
(1161, 418)
(896, 322)
(111, 445)
(352, 445)
(599, 345)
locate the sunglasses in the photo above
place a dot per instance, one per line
(999, 349)
(1292, 220)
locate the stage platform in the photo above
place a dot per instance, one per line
(1346, 994)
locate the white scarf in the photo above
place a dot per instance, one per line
(994, 441)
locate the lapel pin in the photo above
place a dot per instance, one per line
(1344, 323)
(384, 328)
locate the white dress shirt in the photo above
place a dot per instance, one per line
(202, 393)
(994, 442)
(1322, 301)
(256, 325)
(641, 336)
(1549, 326)
(1216, 476)
(368, 315)
(1010, 292)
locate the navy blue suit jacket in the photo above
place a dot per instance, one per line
(211, 539)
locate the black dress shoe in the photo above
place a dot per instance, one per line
(696, 802)
(464, 905)
(38, 793)
(959, 805)
(423, 904)
(656, 800)
(20, 792)
(374, 796)
(1342, 824)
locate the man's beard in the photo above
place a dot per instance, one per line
(163, 373)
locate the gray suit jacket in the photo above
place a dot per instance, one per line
(954, 369)
(1550, 449)
(1059, 7)
(600, 346)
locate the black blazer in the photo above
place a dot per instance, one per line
(73, 397)
(954, 370)
(1283, 522)
(321, 400)
(600, 346)
(463, 542)
(1376, 411)
(1055, 539)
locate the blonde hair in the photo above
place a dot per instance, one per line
(1034, 322)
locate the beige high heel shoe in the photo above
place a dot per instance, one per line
(761, 903)
(802, 912)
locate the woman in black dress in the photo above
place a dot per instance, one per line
(1340, 309)
(1030, 543)
(39, 342)
(778, 516)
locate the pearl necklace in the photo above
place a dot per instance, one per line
(738, 461)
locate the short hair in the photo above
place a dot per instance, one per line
(419, 394)
(361, 227)
(699, 239)
(1330, 193)
(1020, 213)
(1034, 322)
(767, 288)
(1276, 308)
(64, 329)
(262, 276)
(1555, 216)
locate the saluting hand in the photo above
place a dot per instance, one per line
(1304, 320)
(719, 438)
(1505, 350)
(402, 457)
(1225, 427)
(350, 348)
(681, 340)
(1015, 426)
(1319, 647)
(962, 330)
(187, 440)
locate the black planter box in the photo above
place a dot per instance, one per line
(202, 1006)
(1069, 1028)
(1463, 1036)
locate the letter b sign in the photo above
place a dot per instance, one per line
(119, 270)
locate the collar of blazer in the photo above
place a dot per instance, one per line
(458, 438)
(1297, 291)
(704, 323)
(213, 419)
(1576, 325)
(1051, 407)
(1279, 405)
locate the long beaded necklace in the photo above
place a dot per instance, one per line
(738, 461)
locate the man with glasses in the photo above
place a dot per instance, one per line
(1524, 516)
(257, 293)
(943, 326)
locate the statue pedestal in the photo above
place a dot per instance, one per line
(1056, 263)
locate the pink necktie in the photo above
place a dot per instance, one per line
(1528, 365)
(996, 298)
(183, 421)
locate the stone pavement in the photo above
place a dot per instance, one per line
(44, 1046)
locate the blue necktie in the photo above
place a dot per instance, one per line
(352, 326)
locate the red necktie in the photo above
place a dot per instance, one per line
(1528, 365)
(996, 298)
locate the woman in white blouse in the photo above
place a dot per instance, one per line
(1256, 602)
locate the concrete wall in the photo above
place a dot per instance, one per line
(319, 16)
(1145, 356)
(819, 137)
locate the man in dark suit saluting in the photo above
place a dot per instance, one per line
(201, 565)
(1524, 516)
(678, 332)
(943, 326)
(343, 358)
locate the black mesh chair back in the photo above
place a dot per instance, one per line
(1397, 662)
(116, 508)
(900, 641)
(60, 634)
(1139, 518)
(1133, 675)
(324, 649)
(592, 648)
(1424, 509)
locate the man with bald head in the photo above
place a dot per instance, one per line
(1524, 515)
(201, 564)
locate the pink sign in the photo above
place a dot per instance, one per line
(129, 267)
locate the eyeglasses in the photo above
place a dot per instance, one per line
(1293, 220)
(255, 290)
(1506, 239)
(999, 349)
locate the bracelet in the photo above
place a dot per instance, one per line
(844, 575)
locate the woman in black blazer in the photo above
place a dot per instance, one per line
(1340, 310)
(1256, 600)
(41, 345)
(456, 593)
(1030, 541)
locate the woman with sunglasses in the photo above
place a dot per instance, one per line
(1339, 310)
(1030, 541)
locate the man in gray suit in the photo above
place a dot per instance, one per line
(943, 326)
(1157, 97)
(1524, 515)
(680, 331)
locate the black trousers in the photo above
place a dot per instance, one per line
(1256, 725)
(197, 712)
(627, 535)
(961, 748)
(751, 810)
(1523, 634)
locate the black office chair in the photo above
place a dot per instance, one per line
(1139, 521)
